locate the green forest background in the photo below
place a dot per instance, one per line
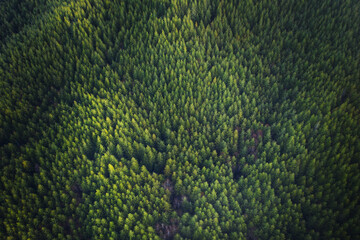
(179, 119)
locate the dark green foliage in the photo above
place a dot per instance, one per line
(179, 119)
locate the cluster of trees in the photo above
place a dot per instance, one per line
(179, 119)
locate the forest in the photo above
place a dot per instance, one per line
(179, 119)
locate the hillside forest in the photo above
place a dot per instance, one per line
(179, 119)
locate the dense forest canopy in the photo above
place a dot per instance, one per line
(179, 119)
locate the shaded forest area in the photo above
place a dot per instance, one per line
(179, 119)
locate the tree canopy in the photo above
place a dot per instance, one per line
(179, 119)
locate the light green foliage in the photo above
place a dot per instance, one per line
(179, 119)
